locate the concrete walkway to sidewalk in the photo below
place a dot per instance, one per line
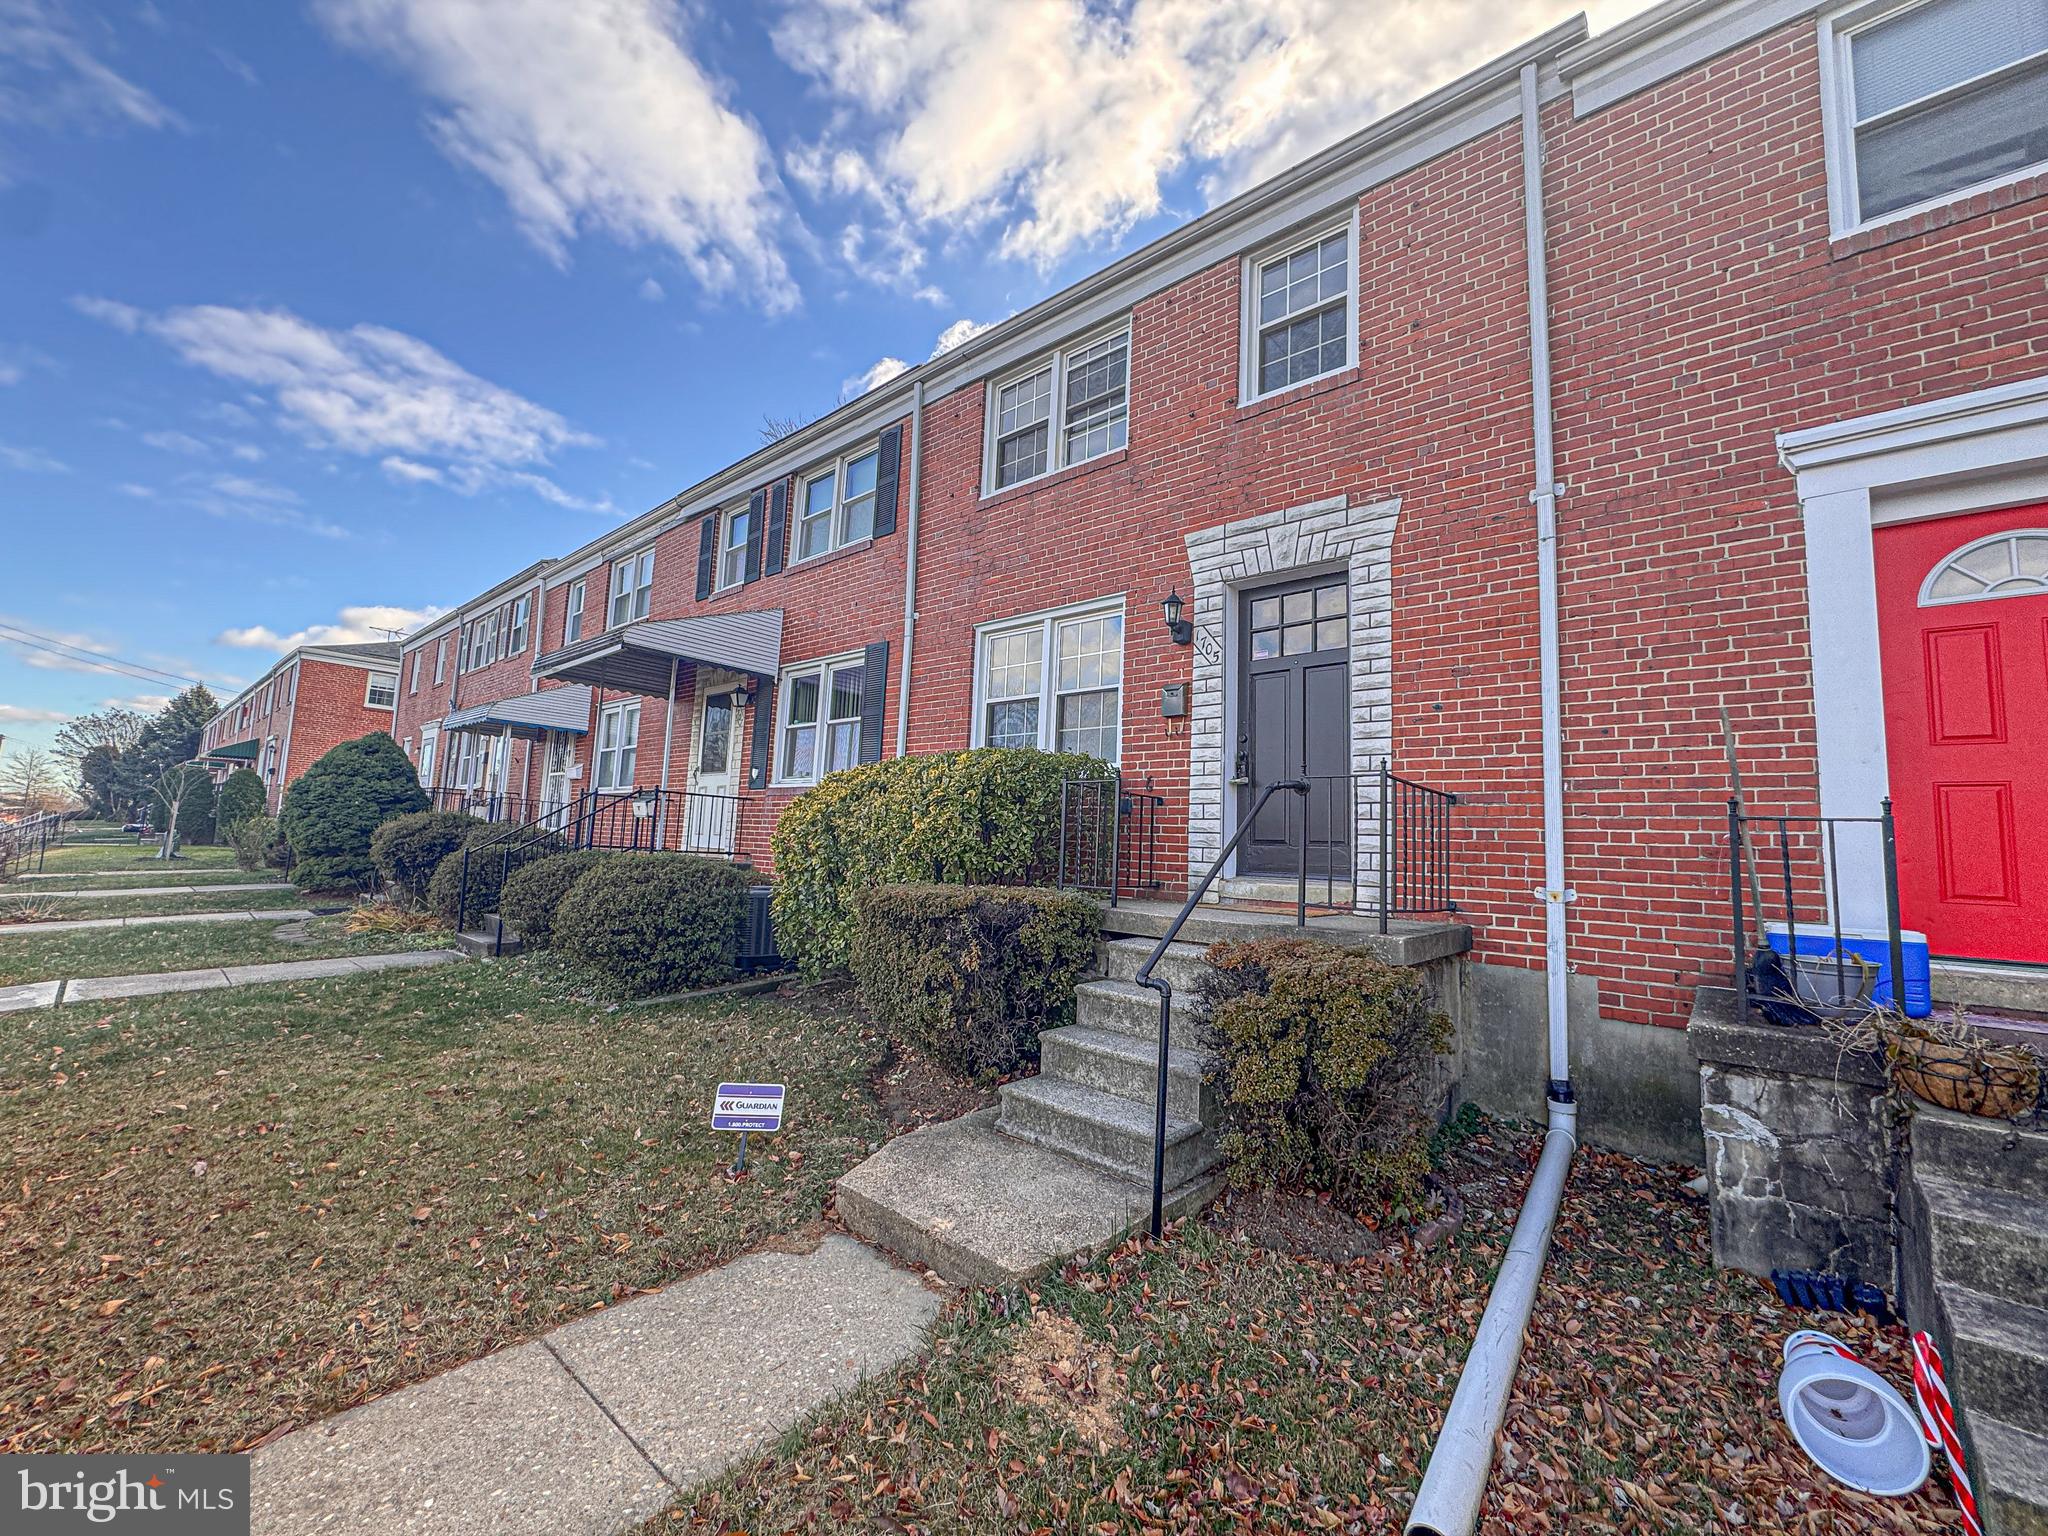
(49, 994)
(596, 1426)
(157, 919)
(214, 878)
(168, 890)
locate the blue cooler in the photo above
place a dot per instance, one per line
(1818, 942)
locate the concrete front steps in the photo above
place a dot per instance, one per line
(1063, 1165)
(1979, 1196)
(493, 938)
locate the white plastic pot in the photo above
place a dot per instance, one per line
(1850, 1420)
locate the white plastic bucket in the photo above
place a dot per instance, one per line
(1849, 1419)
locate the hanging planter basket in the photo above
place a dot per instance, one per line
(1953, 1066)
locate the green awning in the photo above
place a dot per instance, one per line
(242, 751)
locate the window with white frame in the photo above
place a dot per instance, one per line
(263, 700)
(632, 588)
(618, 745)
(515, 638)
(820, 719)
(836, 505)
(441, 661)
(1053, 681)
(1300, 312)
(1931, 99)
(412, 681)
(291, 686)
(572, 621)
(732, 547)
(382, 691)
(1069, 408)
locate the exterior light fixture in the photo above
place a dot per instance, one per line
(1182, 630)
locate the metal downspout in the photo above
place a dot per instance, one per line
(910, 566)
(1447, 1504)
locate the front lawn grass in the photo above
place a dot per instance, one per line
(77, 858)
(14, 901)
(142, 876)
(1209, 1385)
(186, 947)
(230, 1213)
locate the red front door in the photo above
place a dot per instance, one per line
(1963, 620)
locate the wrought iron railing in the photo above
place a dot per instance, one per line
(1787, 873)
(1109, 836)
(1409, 835)
(30, 837)
(490, 805)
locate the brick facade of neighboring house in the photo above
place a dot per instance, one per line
(1724, 325)
(315, 698)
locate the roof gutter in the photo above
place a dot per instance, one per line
(1448, 1502)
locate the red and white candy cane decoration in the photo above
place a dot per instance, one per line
(1938, 1419)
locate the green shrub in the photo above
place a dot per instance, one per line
(1322, 1060)
(241, 797)
(408, 849)
(195, 803)
(657, 922)
(335, 808)
(990, 816)
(535, 891)
(259, 843)
(488, 846)
(971, 974)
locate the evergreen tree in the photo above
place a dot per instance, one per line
(334, 809)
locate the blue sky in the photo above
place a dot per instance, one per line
(319, 316)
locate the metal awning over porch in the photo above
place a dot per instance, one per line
(639, 658)
(528, 714)
(241, 751)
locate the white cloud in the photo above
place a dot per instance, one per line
(368, 390)
(122, 317)
(1059, 122)
(141, 703)
(241, 498)
(139, 492)
(591, 118)
(248, 453)
(357, 625)
(887, 368)
(956, 333)
(32, 461)
(51, 72)
(17, 714)
(176, 442)
(10, 373)
(652, 291)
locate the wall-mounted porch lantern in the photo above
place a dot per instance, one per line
(1182, 630)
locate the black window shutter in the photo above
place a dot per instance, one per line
(707, 554)
(757, 749)
(757, 505)
(874, 692)
(778, 527)
(886, 458)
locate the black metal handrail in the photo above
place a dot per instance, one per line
(1413, 835)
(1164, 988)
(1088, 805)
(1819, 859)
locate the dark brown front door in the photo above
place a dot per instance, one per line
(1294, 721)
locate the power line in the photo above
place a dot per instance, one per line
(35, 640)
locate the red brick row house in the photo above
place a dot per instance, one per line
(314, 698)
(1791, 426)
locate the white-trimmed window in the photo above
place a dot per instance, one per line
(734, 533)
(1931, 99)
(1065, 409)
(1053, 681)
(572, 619)
(263, 701)
(483, 643)
(515, 637)
(412, 681)
(618, 745)
(381, 692)
(1300, 315)
(632, 588)
(836, 506)
(441, 661)
(291, 686)
(820, 717)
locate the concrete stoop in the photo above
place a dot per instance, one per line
(1063, 1165)
(1979, 1194)
(494, 938)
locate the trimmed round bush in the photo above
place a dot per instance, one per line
(259, 844)
(487, 846)
(535, 891)
(408, 849)
(653, 923)
(987, 816)
(241, 797)
(331, 813)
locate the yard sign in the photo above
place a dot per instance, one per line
(747, 1107)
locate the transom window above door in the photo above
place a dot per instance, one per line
(1054, 681)
(1067, 409)
(1300, 313)
(837, 507)
(632, 587)
(1930, 100)
(1296, 623)
(2005, 565)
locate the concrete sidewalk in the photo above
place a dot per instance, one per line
(214, 877)
(49, 994)
(157, 919)
(601, 1423)
(169, 890)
